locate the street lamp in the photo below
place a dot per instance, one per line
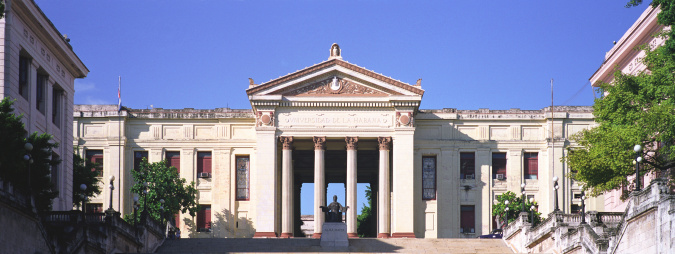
(638, 159)
(144, 214)
(556, 187)
(522, 191)
(28, 158)
(83, 188)
(532, 214)
(583, 207)
(112, 187)
(135, 207)
(506, 203)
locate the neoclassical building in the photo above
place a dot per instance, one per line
(38, 72)
(434, 173)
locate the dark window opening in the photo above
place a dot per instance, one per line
(531, 167)
(429, 177)
(96, 156)
(499, 166)
(467, 166)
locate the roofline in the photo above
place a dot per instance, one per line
(54, 37)
(327, 64)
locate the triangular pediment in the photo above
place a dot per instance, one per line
(335, 77)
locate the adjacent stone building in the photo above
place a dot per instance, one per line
(434, 173)
(39, 68)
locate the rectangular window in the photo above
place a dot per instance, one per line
(24, 73)
(499, 166)
(203, 163)
(204, 219)
(173, 160)
(467, 166)
(94, 208)
(96, 156)
(138, 157)
(429, 177)
(54, 173)
(531, 169)
(468, 219)
(40, 92)
(57, 95)
(243, 168)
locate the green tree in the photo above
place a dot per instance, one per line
(83, 174)
(16, 170)
(365, 222)
(163, 183)
(515, 207)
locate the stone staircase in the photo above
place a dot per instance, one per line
(300, 245)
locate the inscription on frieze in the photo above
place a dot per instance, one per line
(327, 120)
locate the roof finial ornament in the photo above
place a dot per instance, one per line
(419, 82)
(335, 51)
(251, 83)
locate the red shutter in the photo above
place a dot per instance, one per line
(204, 162)
(531, 164)
(207, 217)
(173, 160)
(176, 219)
(468, 218)
(200, 219)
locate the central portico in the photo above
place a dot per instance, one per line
(334, 122)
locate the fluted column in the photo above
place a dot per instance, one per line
(287, 187)
(319, 184)
(383, 199)
(352, 147)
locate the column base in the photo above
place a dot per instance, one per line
(264, 234)
(286, 235)
(403, 235)
(383, 235)
(316, 235)
(352, 235)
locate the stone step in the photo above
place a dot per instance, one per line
(364, 245)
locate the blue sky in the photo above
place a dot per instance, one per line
(469, 54)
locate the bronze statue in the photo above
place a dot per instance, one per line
(334, 210)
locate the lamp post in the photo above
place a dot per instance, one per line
(135, 208)
(83, 188)
(583, 207)
(556, 187)
(506, 203)
(638, 159)
(161, 207)
(522, 191)
(28, 158)
(110, 210)
(144, 214)
(532, 211)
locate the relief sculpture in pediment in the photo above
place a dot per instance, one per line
(334, 86)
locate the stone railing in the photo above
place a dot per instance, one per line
(649, 212)
(75, 232)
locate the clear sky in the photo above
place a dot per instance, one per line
(469, 54)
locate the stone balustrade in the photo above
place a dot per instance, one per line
(644, 227)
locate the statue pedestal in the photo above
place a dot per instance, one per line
(334, 235)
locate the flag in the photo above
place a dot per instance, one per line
(119, 94)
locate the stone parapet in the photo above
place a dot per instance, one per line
(644, 227)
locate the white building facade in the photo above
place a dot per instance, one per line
(38, 71)
(434, 173)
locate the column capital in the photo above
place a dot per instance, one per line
(352, 143)
(319, 143)
(287, 142)
(384, 143)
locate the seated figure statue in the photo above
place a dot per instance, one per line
(334, 210)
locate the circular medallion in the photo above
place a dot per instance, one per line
(335, 84)
(404, 119)
(266, 119)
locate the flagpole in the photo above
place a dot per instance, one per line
(119, 141)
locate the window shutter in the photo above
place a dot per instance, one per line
(204, 162)
(173, 159)
(207, 217)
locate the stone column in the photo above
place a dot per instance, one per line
(352, 147)
(319, 184)
(287, 187)
(383, 199)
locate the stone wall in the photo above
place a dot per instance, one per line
(19, 227)
(646, 226)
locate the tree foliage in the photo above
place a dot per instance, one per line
(83, 174)
(163, 183)
(365, 222)
(14, 169)
(515, 207)
(637, 109)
